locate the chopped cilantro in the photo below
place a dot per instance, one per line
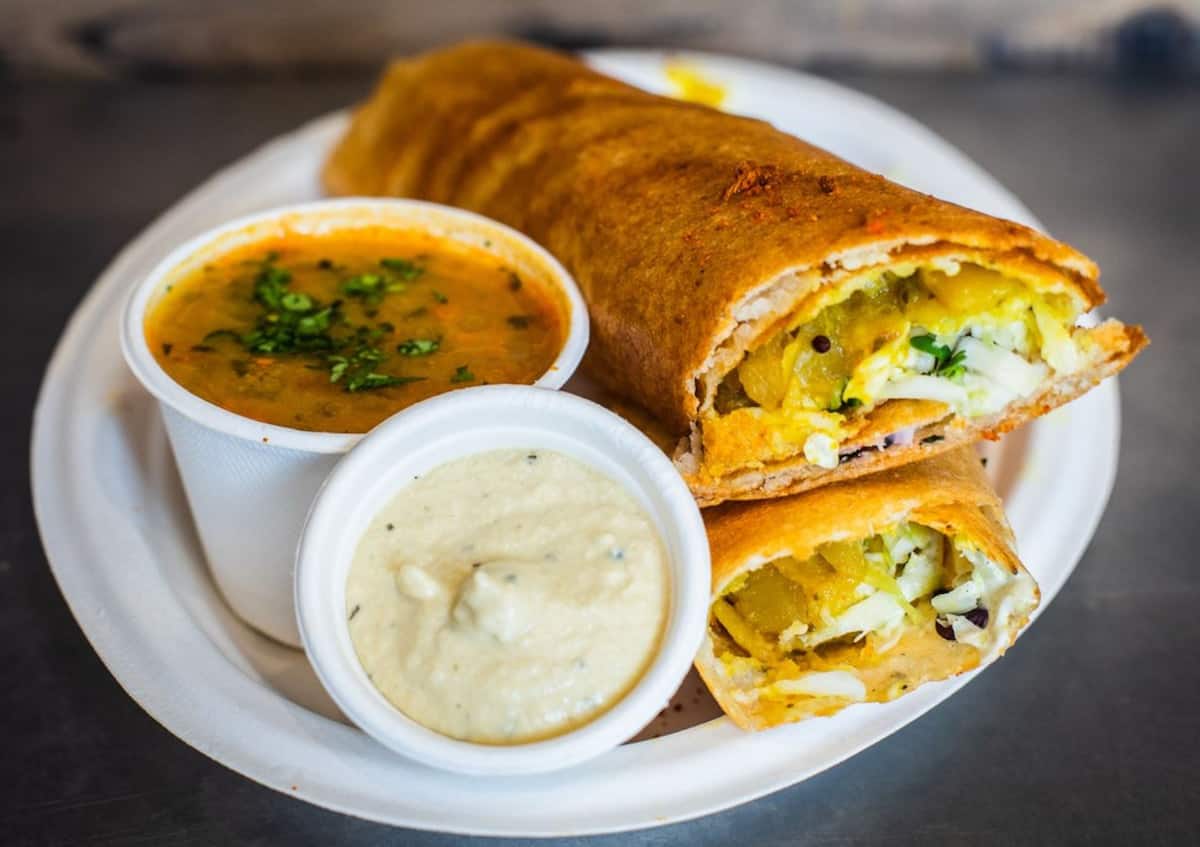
(370, 288)
(928, 344)
(947, 363)
(271, 284)
(337, 367)
(842, 403)
(316, 323)
(293, 301)
(462, 374)
(292, 322)
(440, 297)
(955, 365)
(520, 321)
(405, 269)
(366, 382)
(419, 346)
(222, 333)
(295, 323)
(357, 370)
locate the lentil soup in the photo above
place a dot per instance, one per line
(335, 332)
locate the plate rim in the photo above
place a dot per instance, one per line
(105, 639)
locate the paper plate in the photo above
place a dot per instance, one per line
(121, 543)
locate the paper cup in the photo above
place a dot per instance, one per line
(249, 483)
(449, 427)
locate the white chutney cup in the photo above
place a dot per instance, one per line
(250, 484)
(464, 423)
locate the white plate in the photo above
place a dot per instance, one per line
(124, 552)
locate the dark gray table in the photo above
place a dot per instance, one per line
(1088, 732)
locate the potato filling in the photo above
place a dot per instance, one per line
(806, 627)
(966, 336)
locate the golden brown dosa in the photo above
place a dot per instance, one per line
(692, 233)
(948, 493)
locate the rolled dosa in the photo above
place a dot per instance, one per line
(807, 616)
(790, 318)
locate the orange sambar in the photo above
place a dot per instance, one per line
(335, 332)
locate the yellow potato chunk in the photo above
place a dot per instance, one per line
(770, 601)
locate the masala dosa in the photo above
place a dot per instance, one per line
(859, 591)
(790, 318)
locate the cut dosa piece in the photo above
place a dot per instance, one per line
(859, 591)
(792, 319)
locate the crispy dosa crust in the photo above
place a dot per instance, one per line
(948, 493)
(690, 232)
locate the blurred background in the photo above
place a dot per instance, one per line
(177, 38)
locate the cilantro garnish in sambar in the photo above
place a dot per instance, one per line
(334, 333)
